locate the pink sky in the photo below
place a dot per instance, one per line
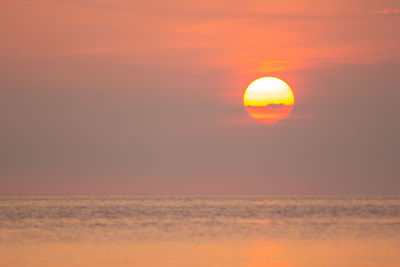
(133, 97)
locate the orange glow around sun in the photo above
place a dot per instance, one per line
(268, 100)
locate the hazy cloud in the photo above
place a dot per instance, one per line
(386, 11)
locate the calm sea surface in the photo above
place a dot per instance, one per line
(200, 231)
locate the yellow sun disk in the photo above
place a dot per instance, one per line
(268, 100)
(268, 90)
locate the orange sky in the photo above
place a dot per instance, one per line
(151, 89)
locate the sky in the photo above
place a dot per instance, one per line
(145, 97)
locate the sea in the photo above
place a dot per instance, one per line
(188, 230)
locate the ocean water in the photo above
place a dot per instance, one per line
(200, 230)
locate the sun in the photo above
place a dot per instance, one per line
(268, 100)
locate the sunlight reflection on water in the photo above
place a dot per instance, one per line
(200, 231)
